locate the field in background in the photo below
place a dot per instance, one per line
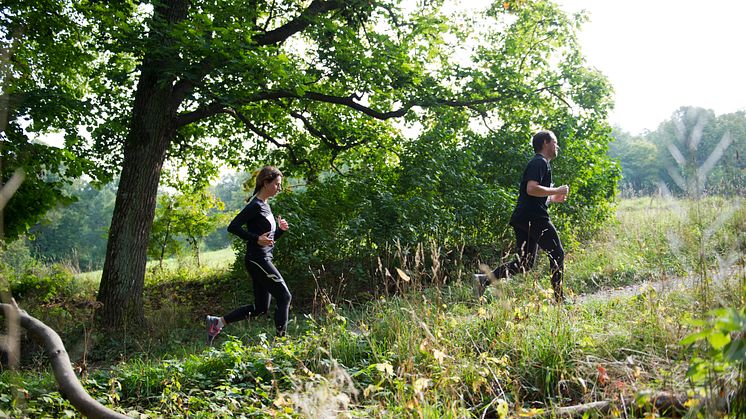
(215, 259)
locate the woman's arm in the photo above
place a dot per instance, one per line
(239, 221)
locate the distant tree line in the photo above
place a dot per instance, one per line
(695, 151)
(75, 234)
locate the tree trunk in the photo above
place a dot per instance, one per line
(151, 131)
(165, 239)
(123, 277)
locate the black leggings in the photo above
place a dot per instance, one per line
(529, 237)
(267, 283)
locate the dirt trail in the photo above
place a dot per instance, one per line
(661, 286)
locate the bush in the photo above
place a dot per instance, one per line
(36, 282)
(454, 189)
(41, 284)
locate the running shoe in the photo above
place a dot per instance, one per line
(480, 284)
(213, 328)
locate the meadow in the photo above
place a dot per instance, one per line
(656, 314)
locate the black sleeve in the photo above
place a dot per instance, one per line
(236, 226)
(536, 170)
(278, 232)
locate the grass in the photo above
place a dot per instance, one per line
(657, 238)
(433, 351)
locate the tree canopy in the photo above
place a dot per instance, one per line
(310, 86)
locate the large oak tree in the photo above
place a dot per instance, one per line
(197, 83)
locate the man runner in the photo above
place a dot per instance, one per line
(530, 219)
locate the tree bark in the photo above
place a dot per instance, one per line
(64, 374)
(123, 277)
(152, 129)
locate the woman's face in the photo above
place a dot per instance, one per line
(273, 187)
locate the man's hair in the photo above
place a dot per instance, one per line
(541, 138)
(266, 175)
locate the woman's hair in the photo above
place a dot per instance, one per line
(266, 175)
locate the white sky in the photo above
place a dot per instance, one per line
(663, 54)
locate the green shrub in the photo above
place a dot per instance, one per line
(40, 283)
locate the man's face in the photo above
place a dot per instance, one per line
(551, 149)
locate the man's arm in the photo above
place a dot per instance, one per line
(533, 188)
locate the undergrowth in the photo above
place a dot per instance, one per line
(428, 350)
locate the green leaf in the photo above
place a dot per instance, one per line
(694, 337)
(718, 340)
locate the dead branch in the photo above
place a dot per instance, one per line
(672, 404)
(67, 381)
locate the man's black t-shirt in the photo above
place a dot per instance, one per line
(530, 207)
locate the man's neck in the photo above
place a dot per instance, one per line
(545, 156)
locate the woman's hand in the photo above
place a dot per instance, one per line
(282, 223)
(264, 240)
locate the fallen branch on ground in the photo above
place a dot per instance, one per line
(67, 381)
(669, 403)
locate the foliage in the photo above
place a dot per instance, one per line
(33, 282)
(434, 351)
(639, 160)
(76, 234)
(185, 217)
(430, 350)
(454, 190)
(43, 68)
(231, 190)
(721, 363)
(304, 85)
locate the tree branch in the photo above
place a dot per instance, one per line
(333, 144)
(260, 132)
(217, 107)
(66, 379)
(558, 96)
(186, 85)
(348, 101)
(316, 8)
(271, 15)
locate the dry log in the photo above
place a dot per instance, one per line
(671, 404)
(67, 381)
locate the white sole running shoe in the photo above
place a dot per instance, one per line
(213, 328)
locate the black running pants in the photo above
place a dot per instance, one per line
(267, 283)
(529, 237)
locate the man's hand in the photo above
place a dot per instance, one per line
(563, 190)
(560, 195)
(557, 198)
